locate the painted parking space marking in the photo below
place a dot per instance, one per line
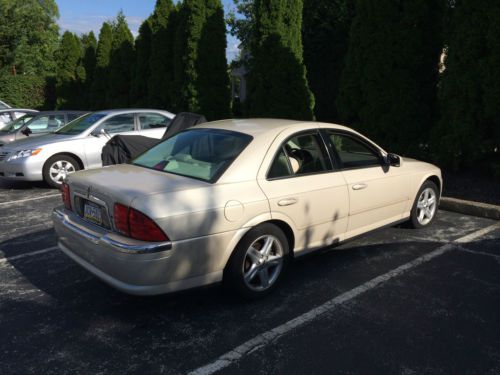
(267, 337)
(496, 256)
(30, 254)
(28, 199)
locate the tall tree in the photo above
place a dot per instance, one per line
(28, 36)
(161, 62)
(469, 127)
(68, 75)
(325, 35)
(388, 86)
(100, 82)
(142, 67)
(87, 68)
(242, 21)
(212, 71)
(121, 63)
(277, 80)
(190, 24)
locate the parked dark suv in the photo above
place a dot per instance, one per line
(43, 123)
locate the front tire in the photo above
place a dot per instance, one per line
(425, 207)
(57, 168)
(258, 262)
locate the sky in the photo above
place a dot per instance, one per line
(82, 16)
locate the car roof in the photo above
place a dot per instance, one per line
(27, 110)
(62, 112)
(259, 127)
(130, 110)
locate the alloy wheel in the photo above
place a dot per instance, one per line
(426, 206)
(60, 170)
(263, 263)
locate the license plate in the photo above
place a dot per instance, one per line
(92, 213)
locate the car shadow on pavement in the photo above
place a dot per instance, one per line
(51, 297)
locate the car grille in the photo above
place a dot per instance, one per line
(3, 155)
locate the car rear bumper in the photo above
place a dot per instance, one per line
(137, 267)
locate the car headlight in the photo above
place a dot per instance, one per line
(24, 153)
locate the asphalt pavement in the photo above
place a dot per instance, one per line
(398, 301)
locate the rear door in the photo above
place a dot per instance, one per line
(123, 124)
(305, 190)
(152, 124)
(378, 194)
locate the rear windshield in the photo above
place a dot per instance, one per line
(80, 124)
(203, 154)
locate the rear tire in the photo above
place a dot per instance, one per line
(425, 207)
(57, 168)
(258, 262)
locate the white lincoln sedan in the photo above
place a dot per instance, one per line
(233, 201)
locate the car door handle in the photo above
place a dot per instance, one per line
(287, 202)
(359, 186)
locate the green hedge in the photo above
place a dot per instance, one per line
(23, 91)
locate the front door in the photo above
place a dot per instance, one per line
(378, 194)
(303, 188)
(119, 124)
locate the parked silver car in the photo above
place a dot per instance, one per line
(76, 146)
(39, 124)
(11, 114)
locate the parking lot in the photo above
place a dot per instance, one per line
(397, 301)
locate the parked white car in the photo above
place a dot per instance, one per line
(76, 146)
(233, 200)
(4, 105)
(9, 115)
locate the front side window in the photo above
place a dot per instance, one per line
(81, 124)
(353, 153)
(118, 124)
(44, 124)
(16, 124)
(203, 154)
(153, 121)
(300, 155)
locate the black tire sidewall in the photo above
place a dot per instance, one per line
(413, 216)
(52, 160)
(233, 274)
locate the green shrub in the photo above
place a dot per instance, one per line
(23, 91)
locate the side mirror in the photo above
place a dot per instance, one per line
(26, 131)
(393, 160)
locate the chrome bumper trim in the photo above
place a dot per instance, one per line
(143, 248)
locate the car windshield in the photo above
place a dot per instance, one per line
(12, 126)
(80, 124)
(203, 154)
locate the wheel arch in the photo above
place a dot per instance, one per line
(70, 154)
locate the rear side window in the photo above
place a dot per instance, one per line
(300, 155)
(353, 153)
(45, 124)
(119, 124)
(153, 121)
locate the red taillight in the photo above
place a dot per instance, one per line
(135, 224)
(121, 219)
(66, 196)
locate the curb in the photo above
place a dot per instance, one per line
(489, 211)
